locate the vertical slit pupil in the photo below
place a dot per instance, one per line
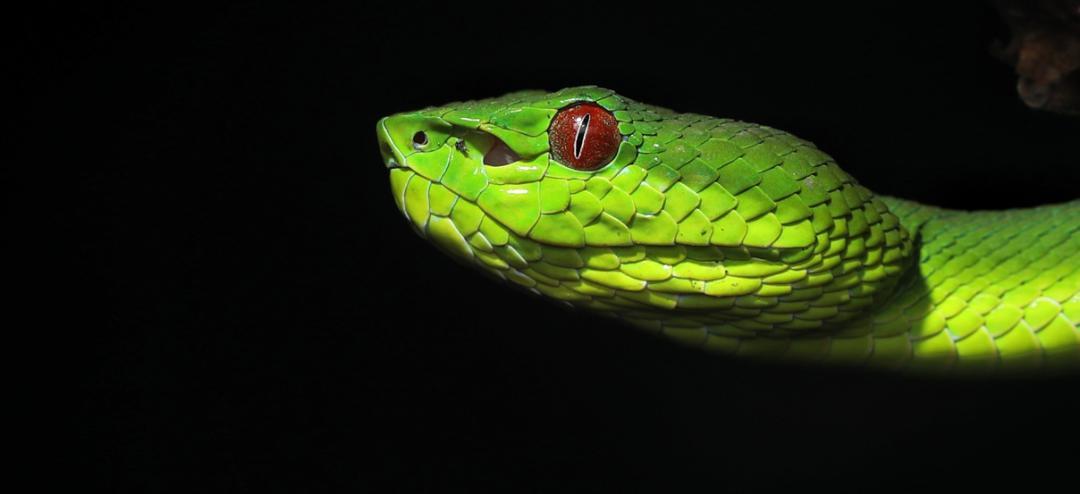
(579, 140)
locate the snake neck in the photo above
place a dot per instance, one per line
(791, 301)
(986, 291)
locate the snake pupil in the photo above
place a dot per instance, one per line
(579, 141)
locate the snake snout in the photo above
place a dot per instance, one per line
(391, 156)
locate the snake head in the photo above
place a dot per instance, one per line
(678, 222)
(499, 159)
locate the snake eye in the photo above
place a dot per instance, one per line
(584, 136)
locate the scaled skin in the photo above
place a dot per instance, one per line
(740, 239)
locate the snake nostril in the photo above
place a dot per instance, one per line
(419, 139)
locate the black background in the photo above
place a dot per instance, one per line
(267, 320)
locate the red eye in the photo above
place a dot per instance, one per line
(584, 136)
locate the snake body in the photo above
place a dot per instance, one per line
(739, 238)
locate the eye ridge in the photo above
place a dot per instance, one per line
(579, 140)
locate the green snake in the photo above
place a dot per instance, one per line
(733, 237)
